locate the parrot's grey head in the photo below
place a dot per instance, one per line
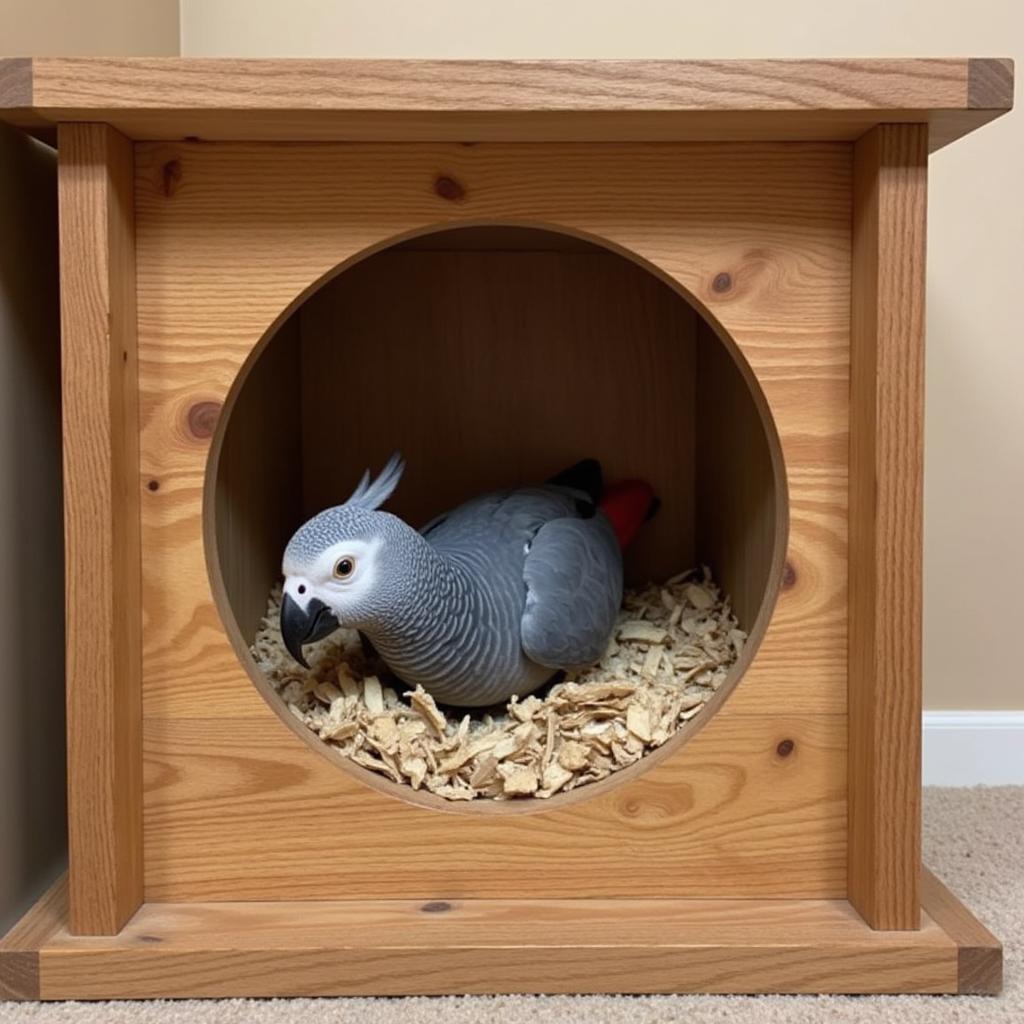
(340, 566)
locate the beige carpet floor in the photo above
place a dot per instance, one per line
(974, 841)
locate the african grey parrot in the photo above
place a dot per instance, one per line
(486, 601)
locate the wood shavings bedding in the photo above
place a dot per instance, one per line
(672, 648)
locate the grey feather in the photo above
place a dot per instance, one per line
(364, 482)
(573, 574)
(372, 495)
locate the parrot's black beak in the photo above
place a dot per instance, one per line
(300, 627)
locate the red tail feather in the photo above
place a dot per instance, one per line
(628, 505)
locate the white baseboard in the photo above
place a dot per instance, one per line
(973, 748)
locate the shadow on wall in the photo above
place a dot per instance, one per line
(32, 789)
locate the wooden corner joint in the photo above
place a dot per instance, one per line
(16, 82)
(980, 970)
(989, 83)
(20, 948)
(979, 952)
(19, 975)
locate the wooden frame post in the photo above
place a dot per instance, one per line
(97, 266)
(886, 461)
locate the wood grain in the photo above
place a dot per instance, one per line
(678, 957)
(101, 516)
(401, 947)
(731, 817)
(230, 239)
(886, 469)
(979, 952)
(583, 100)
(198, 83)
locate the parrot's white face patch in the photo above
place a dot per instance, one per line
(323, 581)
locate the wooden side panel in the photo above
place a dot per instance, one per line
(101, 457)
(739, 532)
(886, 463)
(237, 806)
(258, 489)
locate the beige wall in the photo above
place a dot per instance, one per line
(113, 28)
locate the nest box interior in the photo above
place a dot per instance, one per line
(493, 357)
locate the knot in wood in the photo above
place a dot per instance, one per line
(171, 175)
(202, 419)
(448, 188)
(788, 576)
(436, 907)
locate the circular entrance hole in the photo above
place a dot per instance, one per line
(494, 357)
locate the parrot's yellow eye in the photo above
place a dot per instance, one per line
(344, 567)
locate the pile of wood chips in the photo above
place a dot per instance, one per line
(672, 649)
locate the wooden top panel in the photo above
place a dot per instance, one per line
(580, 100)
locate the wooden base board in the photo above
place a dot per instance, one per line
(403, 947)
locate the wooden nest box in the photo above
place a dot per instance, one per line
(709, 274)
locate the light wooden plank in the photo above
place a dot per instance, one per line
(979, 952)
(886, 464)
(247, 811)
(198, 83)
(101, 526)
(400, 947)
(580, 100)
